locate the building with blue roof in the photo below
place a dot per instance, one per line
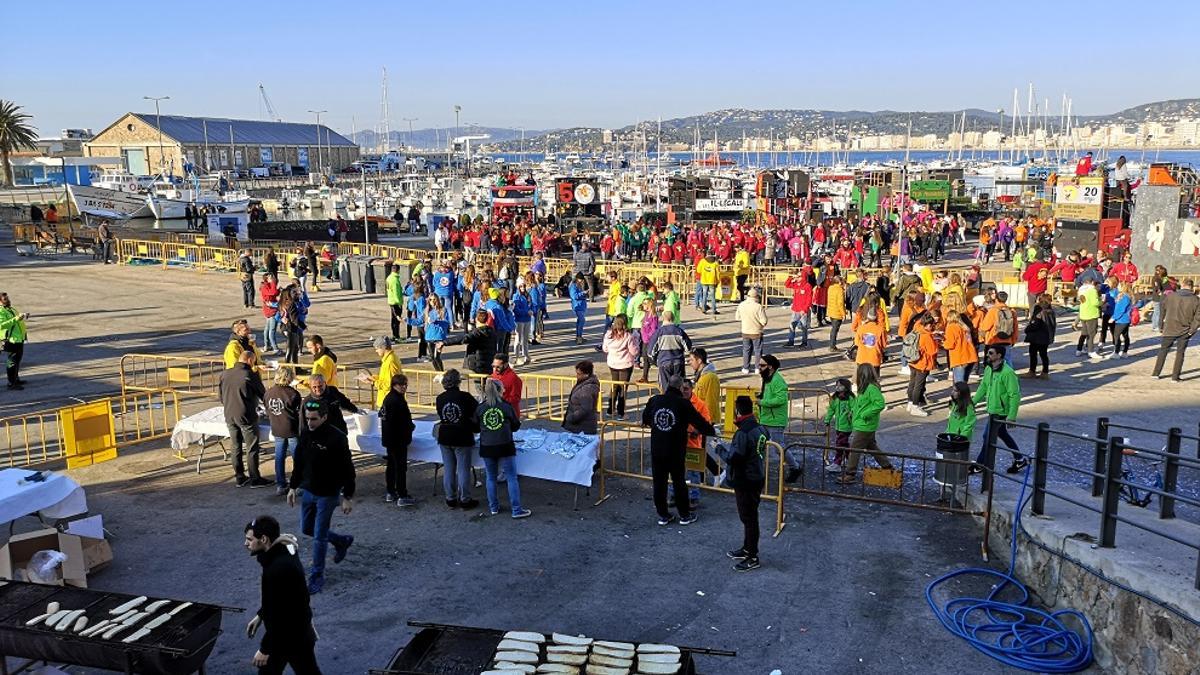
(173, 144)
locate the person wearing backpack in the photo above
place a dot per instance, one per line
(999, 325)
(922, 351)
(1039, 333)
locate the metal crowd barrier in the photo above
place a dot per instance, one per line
(49, 435)
(1110, 482)
(625, 453)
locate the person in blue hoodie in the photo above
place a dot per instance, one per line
(536, 284)
(437, 327)
(522, 310)
(579, 302)
(1108, 292)
(502, 317)
(443, 283)
(1122, 316)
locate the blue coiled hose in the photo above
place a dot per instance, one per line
(1012, 632)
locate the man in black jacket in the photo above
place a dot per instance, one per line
(1181, 320)
(241, 391)
(669, 415)
(396, 427)
(334, 400)
(481, 345)
(246, 270)
(322, 476)
(744, 459)
(285, 614)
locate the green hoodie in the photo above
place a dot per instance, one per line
(960, 424)
(1089, 304)
(395, 289)
(1002, 391)
(865, 409)
(838, 414)
(773, 406)
(12, 326)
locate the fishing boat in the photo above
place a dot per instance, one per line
(107, 202)
(168, 201)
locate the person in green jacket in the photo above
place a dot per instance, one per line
(864, 422)
(773, 401)
(1091, 306)
(1002, 391)
(962, 412)
(12, 336)
(395, 298)
(838, 416)
(671, 300)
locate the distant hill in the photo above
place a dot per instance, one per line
(808, 125)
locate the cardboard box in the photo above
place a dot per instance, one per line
(74, 570)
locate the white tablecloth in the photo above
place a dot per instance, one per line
(198, 428)
(531, 463)
(58, 496)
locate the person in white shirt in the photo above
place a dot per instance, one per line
(1121, 176)
(753, 318)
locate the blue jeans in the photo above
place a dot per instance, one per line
(283, 448)
(580, 317)
(270, 329)
(456, 472)
(315, 514)
(699, 296)
(1002, 435)
(962, 373)
(791, 458)
(493, 467)
(709, 295)
(799, 320)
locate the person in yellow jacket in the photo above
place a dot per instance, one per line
(835, 308)
(710, 275)
(324, 361)
(240, 340)
(741, 271)
(389, 367)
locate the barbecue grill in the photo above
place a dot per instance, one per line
(177, 647)
(441, 649)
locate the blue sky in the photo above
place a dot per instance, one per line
(597, 63)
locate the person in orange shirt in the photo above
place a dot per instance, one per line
(870, 338)
(961, 352)
(928, 348)
(984, 254)
(910, 311)
(999, 325)
(695, 440)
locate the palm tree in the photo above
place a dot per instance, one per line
(16, 133)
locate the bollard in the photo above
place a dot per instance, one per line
(1166, 505)
(1112, 494)
(989, 454)
(1040, 454)
(1098, 462)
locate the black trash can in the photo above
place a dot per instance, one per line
(952, 447)
(368, 273)
(345, 278)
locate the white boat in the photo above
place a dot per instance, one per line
(103, 202)
(168, 203)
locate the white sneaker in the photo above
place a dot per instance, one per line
(745, 371)
(916, 411)
(1095, 356)
(1078, 352)
(904, 371)
(833, 468)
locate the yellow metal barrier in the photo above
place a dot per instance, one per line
(625, 452)
(82, 433)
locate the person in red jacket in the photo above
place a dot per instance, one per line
(1037, 279)
(802, 298)
(269, 292)
(512, 382)
(1125, 270)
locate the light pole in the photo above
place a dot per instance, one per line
(457, 110)
(318, 114)
(410, 120)
(162, 160)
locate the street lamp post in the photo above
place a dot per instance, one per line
(318, 114)
(162, 160)
(457, 110)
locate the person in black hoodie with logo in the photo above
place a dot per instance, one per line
(285, 613)
(396, 428)
(322, 476)
(283, 410)
(669, 415)
(744, 459)
(455, 432)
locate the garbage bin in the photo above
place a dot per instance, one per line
(381, 268)
(345, 279)
(368, 273)
(952, 447)
(354, 268)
